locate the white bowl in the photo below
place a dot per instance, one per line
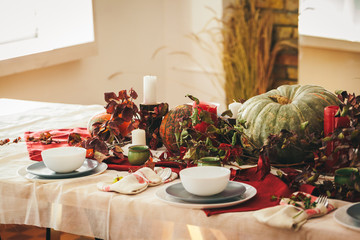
(205, 180)
(64, 159)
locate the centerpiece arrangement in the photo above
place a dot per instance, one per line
(283, 128)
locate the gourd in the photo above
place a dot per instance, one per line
(102, 117)
(286, 107)
(170, 126)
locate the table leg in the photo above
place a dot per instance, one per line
(52, 234)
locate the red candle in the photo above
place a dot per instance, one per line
(331, 122)
(211, 108)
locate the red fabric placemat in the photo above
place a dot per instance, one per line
(270, 185)
(60, 137)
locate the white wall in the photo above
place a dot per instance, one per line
(332, 69)
(128, 34)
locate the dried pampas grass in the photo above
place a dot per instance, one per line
(248, 50)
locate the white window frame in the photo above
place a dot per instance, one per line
(49, 44)
(332, 24)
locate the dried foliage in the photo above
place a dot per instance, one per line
(344, 157)
(248, 50)
(201, 136)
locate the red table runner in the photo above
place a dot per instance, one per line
(269, 186)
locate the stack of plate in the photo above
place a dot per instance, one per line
(39, 172)
(349, 216)
(234, 193)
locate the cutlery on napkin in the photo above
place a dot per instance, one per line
(291, 214)
(136, 182)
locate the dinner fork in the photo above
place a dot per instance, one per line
(322, 199)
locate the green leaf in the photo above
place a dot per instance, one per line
(183, 136)
(327, 139)
(190, 153)
(341, 136)
(208, 142)
(212, 129)
(195, 117)
(344, 111)
(228, 112)
(233, 140)
(193, 98)
(304, 125)
(339, 92)
(177, 137)
(205, 116)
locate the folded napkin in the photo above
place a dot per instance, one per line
(172, 177)
(136, 182)
(290, 214)
(130, 184)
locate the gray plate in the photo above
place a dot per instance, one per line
(232, 190)
(342, 217)
(354, 211)
(39, 169)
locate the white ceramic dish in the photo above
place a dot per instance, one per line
(250, 192)
(34, 178)
(341, 217)
(64, 159)
(205, 180)
(232, 190)
(41, 170)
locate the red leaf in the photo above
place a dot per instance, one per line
(110, 96)
(263, 166)
(133, 94)
(123, 95)
(127, 114)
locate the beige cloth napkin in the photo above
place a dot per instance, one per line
(135, 182)
(288, 216)
(282, 216)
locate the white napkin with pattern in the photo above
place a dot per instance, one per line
(135, 182)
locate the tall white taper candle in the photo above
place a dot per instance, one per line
(150, 89)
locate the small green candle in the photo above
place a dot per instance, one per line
(138, 154)
(209, 161)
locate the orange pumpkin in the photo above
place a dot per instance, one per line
(170, 127)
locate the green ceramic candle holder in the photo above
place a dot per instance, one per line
(209, 161)
(347, 176)
(138, 154)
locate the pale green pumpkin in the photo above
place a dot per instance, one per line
(286, 107)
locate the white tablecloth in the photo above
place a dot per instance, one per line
(76, 206)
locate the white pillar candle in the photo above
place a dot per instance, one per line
(234, 107)
(150, 89)
(138, 137)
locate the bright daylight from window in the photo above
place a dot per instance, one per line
(34, 26)
(334, 19)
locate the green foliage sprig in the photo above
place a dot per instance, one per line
(220, 139)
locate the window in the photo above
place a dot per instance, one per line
(31, 27)
(336, 22)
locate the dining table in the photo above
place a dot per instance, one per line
(77, 206)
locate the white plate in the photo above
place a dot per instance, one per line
(41, 170)
(31, 177)
(232, 190)
(163, 196)
(345, 220)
